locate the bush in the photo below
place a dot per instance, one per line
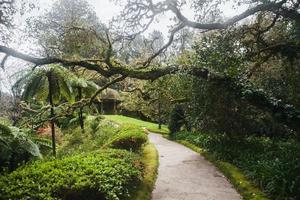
(16, 146)
(273, 165)
(130, 137)
(176, 120)
(108, 174)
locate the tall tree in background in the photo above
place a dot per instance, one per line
(71, 29)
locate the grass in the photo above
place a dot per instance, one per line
(150, 162)
(152, 127)
(97, 133)
(246, 189)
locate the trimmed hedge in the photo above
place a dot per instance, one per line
(106, 174)
(130, 137)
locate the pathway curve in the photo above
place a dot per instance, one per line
(185, 175)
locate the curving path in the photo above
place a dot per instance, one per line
(185, 175)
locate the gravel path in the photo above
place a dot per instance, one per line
(185, 175)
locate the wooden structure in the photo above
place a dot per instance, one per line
(109, 101)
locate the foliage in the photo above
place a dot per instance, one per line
(129, 137)
(69, 29)
(155, 99)
(17, 146)
(247, 190)
(103, 175)
(35, 84)
(97, 133)
(150, 163)
(177, 119)
(273, 165)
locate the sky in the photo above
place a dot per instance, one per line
(105, 10)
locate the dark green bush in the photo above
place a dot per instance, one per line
(176, 120)
(273, 165)
(99, 175)
(130, 137)
(17, 146)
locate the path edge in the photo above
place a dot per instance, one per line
(151, 163)
(245, 188)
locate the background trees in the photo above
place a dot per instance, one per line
(212, 63)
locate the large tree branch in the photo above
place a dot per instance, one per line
(281, 112)
(120, 78)
(51, 60)
(117, 69)
(212, 26)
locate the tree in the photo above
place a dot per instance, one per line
(85, 89)
(147, 11)
(71, 29)
(50, 83)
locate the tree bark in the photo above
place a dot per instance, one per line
(52, 114)
(80, 115)
(159, 114)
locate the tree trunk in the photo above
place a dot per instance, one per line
(159, 114)
(52, 114)
(80, 115)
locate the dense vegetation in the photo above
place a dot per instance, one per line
(229, 84)
(99, 175)
(86, 167)
(273, 165)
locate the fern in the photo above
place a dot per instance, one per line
(14, 142)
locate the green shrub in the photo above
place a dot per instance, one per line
(273, 165)
(108, 174)
(16, 146)
(95, 124)
(130, 137)
(176, 120)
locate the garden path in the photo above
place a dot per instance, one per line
(186, 175)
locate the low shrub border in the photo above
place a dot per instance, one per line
(130, 137)
(150, 162)
(149, 157)
(106, 174)
(246, 189)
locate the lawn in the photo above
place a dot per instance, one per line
(153, 127)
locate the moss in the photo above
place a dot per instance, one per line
(246, 189)
(150, 162)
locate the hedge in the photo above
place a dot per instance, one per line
(107, 174)
(130, 137)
